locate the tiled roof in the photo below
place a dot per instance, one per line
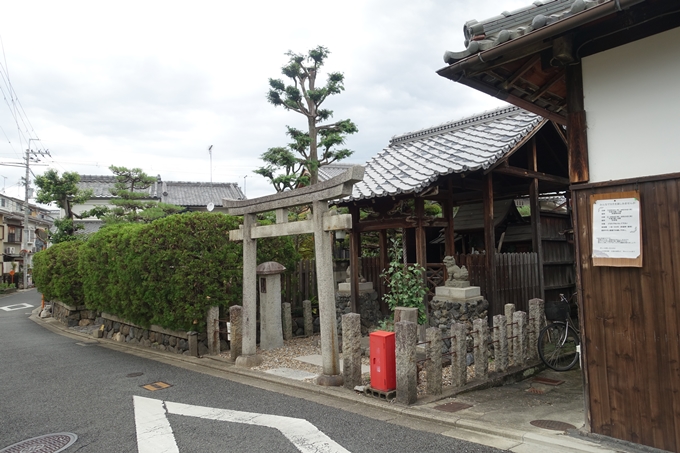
(415, 160)
(188, 194)
(509, 25)
(329, 171)
(199, 193)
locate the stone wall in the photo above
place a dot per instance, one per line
(155, 337)
(369, 309)
(444, 313)
(73, 316)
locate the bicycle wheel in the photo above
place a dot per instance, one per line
(557, 346)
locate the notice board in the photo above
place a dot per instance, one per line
(617, 229)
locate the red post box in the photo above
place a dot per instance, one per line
(383, 361)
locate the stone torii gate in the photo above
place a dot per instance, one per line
(321, 225)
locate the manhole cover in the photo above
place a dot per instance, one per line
(453, 407)
(49, 443)
(552, 424)
(135, 374)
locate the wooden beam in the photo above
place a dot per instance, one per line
(576, 126)
(384, 262)
(490, 244)
(521, 71)
(522, 173)
(354, 254)
(512, 99)
(449, 233)
(541, 91)
(536, 233)
(421, 247)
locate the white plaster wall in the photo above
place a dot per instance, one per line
(632, 102)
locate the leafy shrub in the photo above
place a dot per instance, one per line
(56, 274)
(405, 283)
(170, 271)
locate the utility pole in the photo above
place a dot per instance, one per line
(210, 152)
(24, 241)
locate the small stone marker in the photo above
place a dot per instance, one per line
(519, 342)
(287, 321)
(434, 362)
(480, 335)
(271, 330)
(536, 320)
(458, 354)
(500, 343)
(509, 310)
(213, 330)
(408, 314)
(235, 319)
(193, 343)
(309, 320)
(351, 350)
(407, 370)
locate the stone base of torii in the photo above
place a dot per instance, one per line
(323, 222)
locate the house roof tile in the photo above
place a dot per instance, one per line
(415, 160)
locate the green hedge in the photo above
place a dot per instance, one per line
(55, 273)
(170, 271)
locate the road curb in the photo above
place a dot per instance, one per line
(419, 412)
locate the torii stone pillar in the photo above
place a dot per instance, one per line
(321, 225)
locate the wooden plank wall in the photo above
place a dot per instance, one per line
(631, 324)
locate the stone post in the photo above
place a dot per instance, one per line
(309, 320)
(409, 314)
(458, 354)
(480, 329)
(509, 317)
(500, 339)
(271, 330)
(193, 343)
(235, 337)
(406, 336)
(323, 251)
(351, 350)
(434, 361)
(536, 313)
(213, 330)
(287, 321)
(519, 342)
(249, 358)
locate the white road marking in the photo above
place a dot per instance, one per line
(16, 307)
(154, 425)
(154, 433)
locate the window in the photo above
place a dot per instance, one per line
(13, 233)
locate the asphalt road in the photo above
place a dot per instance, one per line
(51, 383)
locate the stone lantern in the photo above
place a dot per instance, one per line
(269, 285)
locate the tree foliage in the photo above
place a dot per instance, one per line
(132, 201)
(64, 192)
(298, 163)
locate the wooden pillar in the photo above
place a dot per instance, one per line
(536, 234)
(577, 139)
(421, 248)
(384, 262)
(490, 243)
(354, 254)
(449, 233)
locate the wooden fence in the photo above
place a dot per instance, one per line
(516, 279)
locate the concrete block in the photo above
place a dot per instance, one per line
(458, 293)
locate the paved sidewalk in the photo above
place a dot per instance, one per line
(499, 417)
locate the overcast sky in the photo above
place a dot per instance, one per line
(152, 84)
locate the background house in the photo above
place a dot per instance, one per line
(14, 251)
(193, 196)
(608, 72)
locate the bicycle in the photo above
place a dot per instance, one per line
(559, 345)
